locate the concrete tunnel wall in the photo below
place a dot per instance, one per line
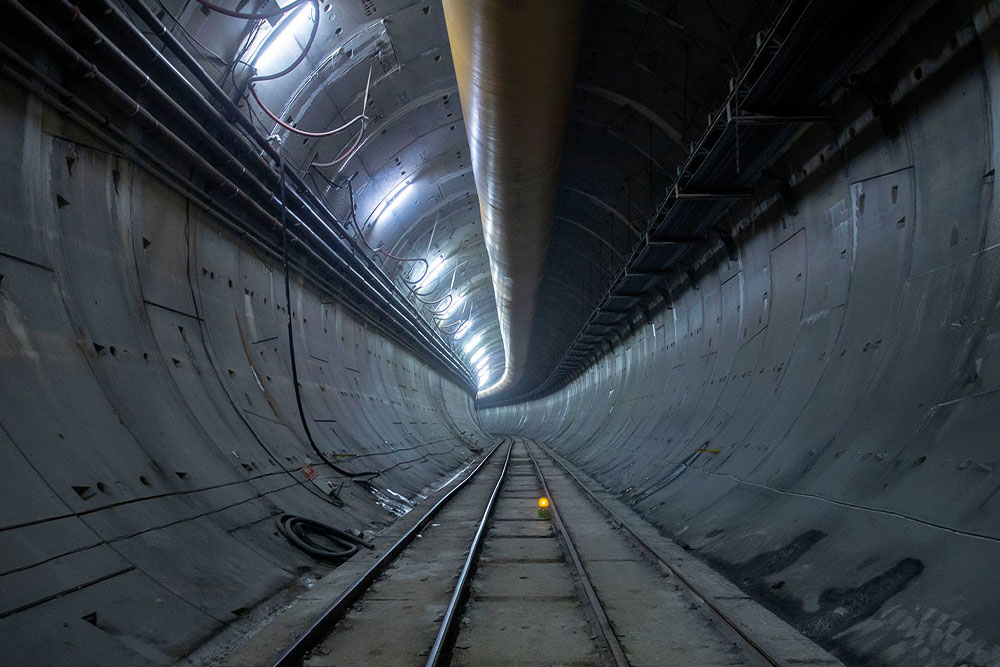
(146, 452)
(819, 417)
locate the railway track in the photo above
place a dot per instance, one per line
(483, 579)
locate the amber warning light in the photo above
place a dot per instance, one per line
(543, 508)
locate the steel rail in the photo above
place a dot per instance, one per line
(704, 597)
(448, 622)
(614, 646)
(292, 655)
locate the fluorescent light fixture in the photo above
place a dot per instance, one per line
(456, 302)
(433, 269)
(477, 355)
(278, 45)
(471, 344)
(464, 329)
(391, 202)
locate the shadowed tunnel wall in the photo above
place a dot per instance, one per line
(818, 415)
(150, 433)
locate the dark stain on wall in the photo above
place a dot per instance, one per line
(839, 608)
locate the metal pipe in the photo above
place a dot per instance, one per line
(304, 197)
(39, 84)
(515, 64)
(417, 329)
(302, 200)
(130, 108)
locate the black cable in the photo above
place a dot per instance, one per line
(333, 499)
(238, 60)
(333, 543)
(354, 219)
(291, 342)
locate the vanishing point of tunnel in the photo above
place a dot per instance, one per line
(348, 333)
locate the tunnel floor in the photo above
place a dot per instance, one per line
(491, 580)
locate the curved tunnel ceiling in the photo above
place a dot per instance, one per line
(647, 76)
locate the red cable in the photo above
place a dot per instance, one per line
(344, 154)
(354, 219)
(315, 135)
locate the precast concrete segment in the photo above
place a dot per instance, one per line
(816, 416)
(149, 429)
(515, 115)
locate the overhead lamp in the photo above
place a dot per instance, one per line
(471, 344)
(456, 301)
(464, 329)
(477, 355)
(391, 202)
(278, 43)
(433, 269)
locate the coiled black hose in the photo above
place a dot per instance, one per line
(318, 539)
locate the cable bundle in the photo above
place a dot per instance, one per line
(318, 539)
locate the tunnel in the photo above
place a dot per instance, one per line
(499, 332)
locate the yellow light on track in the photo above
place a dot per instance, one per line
(543, 502)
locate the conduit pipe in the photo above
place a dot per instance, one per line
(132, 110)
(515, 63)
(301, 200)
